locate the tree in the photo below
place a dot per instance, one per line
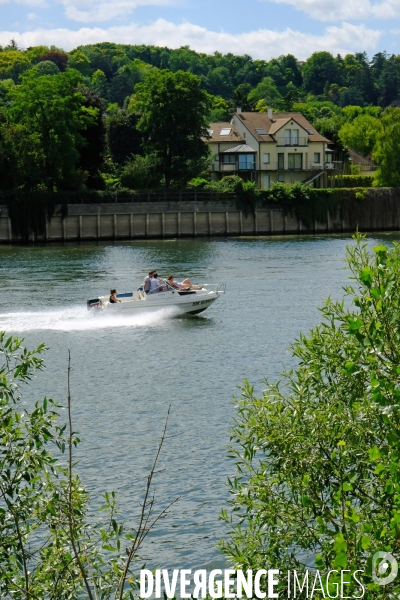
(58, 58)
(317, 456)
(218, 82)
(318, 70)
(123, 137)
(173, 120)
(351, 96)
(221, 110)
(52, 545)
(361, 134)
(266, 93)
(79, 61)
(12, 64)
(52, 107)
(100, 83)
(46, 67)
(387, 149)
(92, 150)
(240, 98)
(389, 81)
(141, 173)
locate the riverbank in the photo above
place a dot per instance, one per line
(378, 209)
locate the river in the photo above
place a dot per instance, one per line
(126, 371)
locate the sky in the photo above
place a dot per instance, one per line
(261, 28)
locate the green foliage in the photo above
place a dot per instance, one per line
(317, 455)
(319, 70)
(52, 545)
(46, 67)
(198, 182)
(387, 149)
(12, 65)
(361, 134)
(247, 195)
(79, 61)
(221, 111)
(265, 94)
(173, 119)
(308, 205)
(141, 173)
(52, 108)
(123, 137)
(350, 181)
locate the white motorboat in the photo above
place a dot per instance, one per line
(190, 301)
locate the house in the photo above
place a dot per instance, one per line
(363, 163)
(270, 147)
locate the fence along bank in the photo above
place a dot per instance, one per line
(379, 210)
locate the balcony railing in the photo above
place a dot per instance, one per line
(248, 166)
(226, 166)
(292, 141)
(282, 166)
(276, 166)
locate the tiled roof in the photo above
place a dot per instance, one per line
(255, 120)
(216, 136)
(241, 148)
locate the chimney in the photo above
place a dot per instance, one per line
(270, 113)
(239, 110)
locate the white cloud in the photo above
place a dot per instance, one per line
(86, 11)
(262, 43)
(37, 3)
(345, 10)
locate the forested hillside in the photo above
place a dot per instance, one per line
(85, 119)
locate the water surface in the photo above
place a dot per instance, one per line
(127, 370)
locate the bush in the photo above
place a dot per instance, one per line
(52, 545)
(198, 182)
(350, 181)
(318, 454)
(141, 173)
(247, 195)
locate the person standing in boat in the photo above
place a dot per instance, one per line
(155, 284)
(147, 282)
(113, 297)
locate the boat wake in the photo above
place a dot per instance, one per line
(79, 319)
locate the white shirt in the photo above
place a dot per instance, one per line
(147, 284)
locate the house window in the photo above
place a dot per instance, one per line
(266, 158)
(281, 177)
(295, 137)
(266, 182)
(216, 156)
(246, 162)
(317, 157)
(281, 160)
(295, 161)
(288, 136)
(228, 158)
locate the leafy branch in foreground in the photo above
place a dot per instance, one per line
(318, 455)
(51, 545)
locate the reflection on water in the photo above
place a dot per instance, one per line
(126, 370)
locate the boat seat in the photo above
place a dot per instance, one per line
(138, 295)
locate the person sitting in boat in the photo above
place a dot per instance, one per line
(113, 297)
(147, 282)
(186, 284)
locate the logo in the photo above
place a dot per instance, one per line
(384, 568)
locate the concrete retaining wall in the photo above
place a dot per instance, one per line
(379, 211)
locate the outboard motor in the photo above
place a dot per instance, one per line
(94, 304)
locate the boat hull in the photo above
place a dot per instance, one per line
(192, 303)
